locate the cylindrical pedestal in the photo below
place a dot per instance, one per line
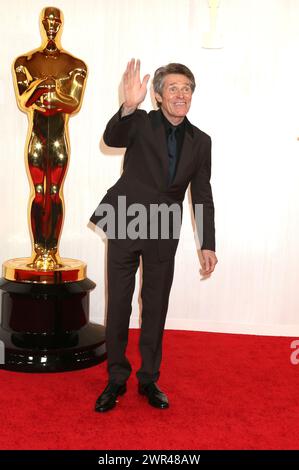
(46, 328)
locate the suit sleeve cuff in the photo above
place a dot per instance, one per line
(128, 116)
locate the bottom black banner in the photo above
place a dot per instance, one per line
(131, 458)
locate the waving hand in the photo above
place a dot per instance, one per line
(134, 90)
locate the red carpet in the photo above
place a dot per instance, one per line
(225, 391)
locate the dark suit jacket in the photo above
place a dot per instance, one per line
(145, 171)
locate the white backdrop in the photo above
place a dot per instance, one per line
(246, 99)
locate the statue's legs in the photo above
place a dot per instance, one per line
(47, 164)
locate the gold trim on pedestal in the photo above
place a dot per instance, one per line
(20, 270)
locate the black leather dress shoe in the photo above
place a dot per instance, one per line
(108, 399)
(155, 396)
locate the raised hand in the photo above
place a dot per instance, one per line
(134, 89)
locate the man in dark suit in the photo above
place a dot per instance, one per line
(165, 153)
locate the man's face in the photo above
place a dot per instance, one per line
(176, 97)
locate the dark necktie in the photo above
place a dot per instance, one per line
(172, 153)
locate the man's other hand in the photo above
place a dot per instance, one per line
(208, 262)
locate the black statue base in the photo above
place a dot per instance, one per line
(46, 328)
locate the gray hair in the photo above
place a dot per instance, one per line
(161, 72)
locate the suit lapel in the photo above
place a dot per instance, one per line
(186, 157)
(161, 146)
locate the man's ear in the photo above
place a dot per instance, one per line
(158, 97)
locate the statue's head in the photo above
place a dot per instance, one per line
(51, 23)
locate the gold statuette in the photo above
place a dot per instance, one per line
(213, 39)
(44, 299)
(49, 85)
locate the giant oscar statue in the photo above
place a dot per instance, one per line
(45, 298)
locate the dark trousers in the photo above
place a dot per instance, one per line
(157, 277)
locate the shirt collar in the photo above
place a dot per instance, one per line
(184, 125)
